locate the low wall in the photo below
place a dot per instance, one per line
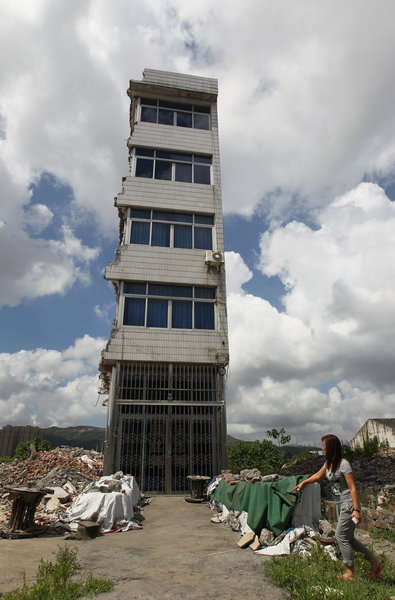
(370, 519)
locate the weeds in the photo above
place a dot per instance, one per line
(53, 581)
(315, 577)
(368, 497)
(384, 534)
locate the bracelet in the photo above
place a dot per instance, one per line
(356, 509)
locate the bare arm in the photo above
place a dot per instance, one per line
(312, 479)
(354, 496)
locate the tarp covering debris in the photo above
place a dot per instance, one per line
(268, 504)
(108, 507)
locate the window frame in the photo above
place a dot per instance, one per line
(194, 223)
(175, 159)
(193, 299)
(157, 105)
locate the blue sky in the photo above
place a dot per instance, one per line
(307, 134)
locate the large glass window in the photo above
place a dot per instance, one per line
(168, 306)
(172, 166)
(166, 112)
(171, 229)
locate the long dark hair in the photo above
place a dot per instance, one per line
(333, 451)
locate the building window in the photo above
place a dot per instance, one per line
(172, 166)
(171, 229)
(166, 112)
(168, 306)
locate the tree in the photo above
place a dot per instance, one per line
(260, 455)
(279, 435)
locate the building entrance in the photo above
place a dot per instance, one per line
(161, 444)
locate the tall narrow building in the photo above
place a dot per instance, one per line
(165, 363)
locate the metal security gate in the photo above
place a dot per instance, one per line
(161, 444)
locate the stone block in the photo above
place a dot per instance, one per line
(255, 545)
(385, 519)
(246, 539)
(60, 493)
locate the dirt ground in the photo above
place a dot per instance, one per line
(178, 555)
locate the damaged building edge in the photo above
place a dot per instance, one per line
(165, 364)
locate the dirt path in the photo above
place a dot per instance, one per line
(178, 555)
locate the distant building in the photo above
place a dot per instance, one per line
(384, 429)
(165, 364)
(11, 436)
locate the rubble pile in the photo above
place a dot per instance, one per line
(68, 494)
(54, 468)
(369, 471)
(64, 470)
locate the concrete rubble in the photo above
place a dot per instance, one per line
(266, 542)
(369, 471)
(375, 473)
(66, 472)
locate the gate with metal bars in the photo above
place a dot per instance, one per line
(162, 438)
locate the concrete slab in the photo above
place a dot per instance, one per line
(178, 554)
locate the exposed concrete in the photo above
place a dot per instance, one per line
(178, 554)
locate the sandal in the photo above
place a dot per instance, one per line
(376, 572)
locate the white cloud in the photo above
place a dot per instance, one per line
(38, 217)
(35, 267)
(303, 90)
(338, 325)
(48, 387)
(306, 111)
(237, 273)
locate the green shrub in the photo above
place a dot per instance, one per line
(371, 447)
(264, 456)
(22, 451)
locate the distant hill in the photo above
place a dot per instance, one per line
(296, 450)
(92, 438)
(230, 440)
(81, 436)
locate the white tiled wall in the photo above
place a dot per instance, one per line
(172, 265)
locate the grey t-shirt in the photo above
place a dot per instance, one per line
(338, 481)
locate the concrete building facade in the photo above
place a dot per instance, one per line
(165, 364)
(383, 429)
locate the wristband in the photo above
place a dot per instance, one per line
(356, 509)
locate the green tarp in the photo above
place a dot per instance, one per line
(269, 504)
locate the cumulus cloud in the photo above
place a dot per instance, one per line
(326, 361)
(34, 268)
(306, 112)
(237, 273)
(303, 90)
(38, 217)
(50, 387)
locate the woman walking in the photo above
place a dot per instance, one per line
(339, 473)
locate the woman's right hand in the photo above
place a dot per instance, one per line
(298, 488)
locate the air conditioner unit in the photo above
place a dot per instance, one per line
(214, 257)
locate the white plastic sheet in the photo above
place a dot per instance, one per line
(283, 547)
(106, 508)
(244, 528)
